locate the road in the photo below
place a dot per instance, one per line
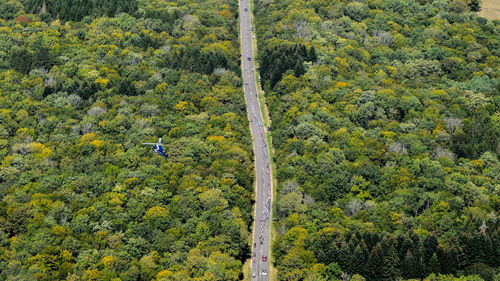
(262, 229)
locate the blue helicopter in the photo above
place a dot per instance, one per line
(157, 148)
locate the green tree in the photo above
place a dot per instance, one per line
(375, 264)
(21, 60)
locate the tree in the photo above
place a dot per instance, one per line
(429, 248)
(20, 59)
(344, 256)
(390, 271)
(333, 271)
(375, 264)
(299, 68)
(358, 259)
(434, 265)
(411, 267)
(474, 5)
(42, 57)
(10, 9)
(477, 137)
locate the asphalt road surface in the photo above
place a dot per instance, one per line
(261, 232)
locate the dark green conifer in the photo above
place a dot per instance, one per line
(358, 259)
(410, 267)
(375, 264)
(343, 256)
(391, 260)
(299, 69)
(434, 265)
(429, 248)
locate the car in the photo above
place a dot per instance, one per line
(253, 275)
(264, 272)
(253, 36)
(253, 28)
(246, 10)
(249, 58)
(264, 258)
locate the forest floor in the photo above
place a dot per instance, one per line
(490, 9)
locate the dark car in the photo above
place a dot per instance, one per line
(246, 10)
(249, 58)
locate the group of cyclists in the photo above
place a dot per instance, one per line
(267, 207)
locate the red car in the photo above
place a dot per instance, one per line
(264, 258)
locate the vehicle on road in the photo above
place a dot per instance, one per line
(249, 58)
(264, 258)
(264, 272)
(246, 10)
(253, 275)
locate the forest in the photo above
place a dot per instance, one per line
(386, 138)
(385, 124)
(80, 89)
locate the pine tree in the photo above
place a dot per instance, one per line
(447, 257)
(375, 264)
(20, 59)
(391, 260)
(303, 51)
(358, 259)
(42, 58)
(434, 265)
(123, 89)
(311, 56)
(343, 256)
(495, 241)
(371, 239)
(474, 5)
(462, 259)
(299, 69)
(429, 248)
(410, 268)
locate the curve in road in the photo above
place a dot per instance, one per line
(262, 221)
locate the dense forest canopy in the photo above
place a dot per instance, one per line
(80, 198)
(74, 10)
(387, 140)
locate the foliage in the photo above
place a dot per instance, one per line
(80, 197)
(77, 10)
(387, 144)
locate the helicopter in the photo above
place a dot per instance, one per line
(157, 148)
